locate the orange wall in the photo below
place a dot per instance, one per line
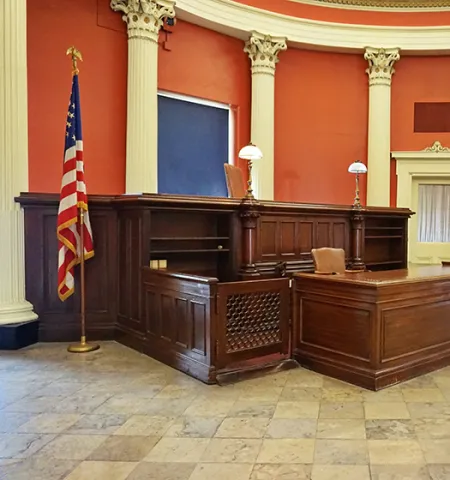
(321, 100)
(209, 65)
(320, 125)
(201, 63)
(54, 25)
(417, 79)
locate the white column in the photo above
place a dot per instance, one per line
(144, 19)
(263, 51)
(13, 161)
(380, 71)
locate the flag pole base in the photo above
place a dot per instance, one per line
(82, 347)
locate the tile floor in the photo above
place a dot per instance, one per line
(115, 415)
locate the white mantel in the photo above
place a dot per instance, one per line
(431, 165)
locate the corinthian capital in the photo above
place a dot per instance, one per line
(263, 51)
(381, 64)
(144, 18)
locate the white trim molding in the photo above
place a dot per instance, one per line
(237, 20)
(209, 103)
(432, 162)
(431, 165)
(377, 5)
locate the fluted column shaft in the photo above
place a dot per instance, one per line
(380, 73)
(144, 19)
(13, 161)
(263, 51)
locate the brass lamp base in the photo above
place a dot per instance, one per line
(82, 347)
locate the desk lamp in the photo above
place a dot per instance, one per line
(357, 168)
(250, 153)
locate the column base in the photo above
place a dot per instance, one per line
(16, 313)
(18, 335)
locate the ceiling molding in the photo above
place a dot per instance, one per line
(383, 5)
(238, 20)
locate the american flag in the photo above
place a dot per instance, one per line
(73, 197)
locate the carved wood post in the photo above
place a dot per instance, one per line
(249, 217)
(357, 222)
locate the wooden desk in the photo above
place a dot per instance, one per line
(373, 329)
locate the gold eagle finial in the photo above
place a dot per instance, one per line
(76, 55)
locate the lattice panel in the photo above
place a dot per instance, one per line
(253, 320)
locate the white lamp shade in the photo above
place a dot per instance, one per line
(357, 167)
(250, 152)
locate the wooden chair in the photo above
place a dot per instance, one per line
(235, 181)
(330, 261)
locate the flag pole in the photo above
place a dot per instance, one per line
(82, 346)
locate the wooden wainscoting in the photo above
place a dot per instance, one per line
(178, 319)
(290, 239)
(60, 321)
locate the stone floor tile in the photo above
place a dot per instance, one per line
(11, 421)
(301, 394)
(261, 394)
(401, 452)
(34, 405)
(340, 472)
(439, 472)
(101, 470)
(269, 380)
(209, 408)
(38, 468)
(80, 403)
(399, 472)
(341, 452)
(145, 425)
(162, 471)
(249, 408)
(49, 423)
(224, 450)
(174, 450)
(122, 415)
(339, 428)
(291, 428)
(425, 381)
(436, 451)
(391, 394)
(242, 428)
(390, 429)
(196, 427)
(339, 395)
(297, 410)
(386, 410)
(341, 410)
(220, 471)
(287, 451)
(289, 471)
(177, 391)
(429, 410)
(72, 447)
(433, 428)
(304, 378)
(423, 395)
(124, 448)
(98, 424)
(22, 445)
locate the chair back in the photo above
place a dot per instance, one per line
(235, 181)
(328, 260)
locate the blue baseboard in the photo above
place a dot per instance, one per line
(18, 335)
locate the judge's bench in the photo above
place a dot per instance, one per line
(215, 285)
